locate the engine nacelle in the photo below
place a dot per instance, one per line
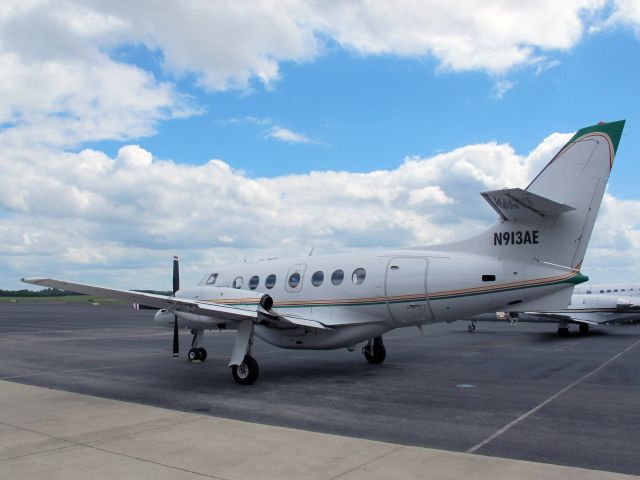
(227, 296)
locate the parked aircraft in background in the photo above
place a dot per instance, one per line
(624, 289)
(529, 260)
(585, 310)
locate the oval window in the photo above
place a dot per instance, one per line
(237, 283)
(253, 282)
(317, 278)
(270, 281)
(337, 277)
(358, 276)
(294, 280)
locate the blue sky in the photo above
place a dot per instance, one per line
(133, 132)
(364, 113)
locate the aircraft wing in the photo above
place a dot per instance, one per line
(573, 317)
(233, 313)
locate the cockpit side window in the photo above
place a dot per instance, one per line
(212, 279)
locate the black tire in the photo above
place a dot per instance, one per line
(247, 372)
(193, 355)
(584, 328)
(376, 354)
(202, 353)
(471, 328)
(563, 331)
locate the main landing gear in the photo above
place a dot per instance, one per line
(244, 367)
(472, 326)
(584, 328)
(196, 353)
(374, 351)
(247, 372)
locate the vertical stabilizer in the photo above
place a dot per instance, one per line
(550, 222)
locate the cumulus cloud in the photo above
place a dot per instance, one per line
(75, 213)
(228, 44)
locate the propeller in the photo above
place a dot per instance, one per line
(176, 287)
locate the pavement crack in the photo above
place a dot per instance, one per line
(346, 472)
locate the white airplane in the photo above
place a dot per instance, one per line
(530, 258)
(584, 310)
(624, 289)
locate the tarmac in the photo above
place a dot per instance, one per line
(59, 435)
(93, 391)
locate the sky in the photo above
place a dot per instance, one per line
(225, 131)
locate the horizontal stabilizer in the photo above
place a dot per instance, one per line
(516, 204)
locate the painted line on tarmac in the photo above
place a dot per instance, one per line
(547, 401)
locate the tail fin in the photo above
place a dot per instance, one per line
(551, 221)
(577, 177)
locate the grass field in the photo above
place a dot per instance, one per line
(61, 299)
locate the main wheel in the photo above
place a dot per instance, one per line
(375, 354)
(193, 355)
(563, 331)
(471, 327)
(247, 372)
(202, 354)
(584, 328)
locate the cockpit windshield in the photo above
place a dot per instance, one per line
(209, 279)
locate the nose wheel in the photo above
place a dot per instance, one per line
(196, 353)
(374, 351)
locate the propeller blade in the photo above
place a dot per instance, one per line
(176, 287)
(176, 275)
(176, 343)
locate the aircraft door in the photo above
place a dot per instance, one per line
(406, 290)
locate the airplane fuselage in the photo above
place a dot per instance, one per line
(363, 295)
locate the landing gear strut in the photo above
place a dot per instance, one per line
(374, 351)
(197, 353)
(244, 367)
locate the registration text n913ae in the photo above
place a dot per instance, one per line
(527, 237)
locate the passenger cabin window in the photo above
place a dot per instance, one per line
(616, 290)
(212, 279)
(608, 291)
(253, 282)
(337, 277)
(237, 282)
(488, 278)
(294, 280)
(317, 278)
(358, 276)
(601, 291)
(588, 292)
(270, 281)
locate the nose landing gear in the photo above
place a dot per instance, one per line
(196, 353)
